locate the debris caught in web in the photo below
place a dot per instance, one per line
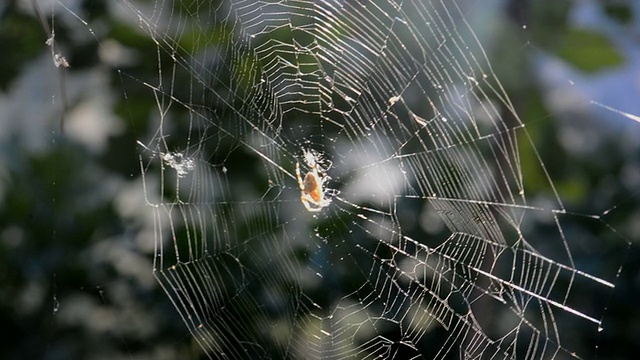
(180, 163)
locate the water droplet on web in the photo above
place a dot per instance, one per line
(56, 304)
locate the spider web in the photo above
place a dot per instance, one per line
(430, 246)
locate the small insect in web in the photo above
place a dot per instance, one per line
(312, 187)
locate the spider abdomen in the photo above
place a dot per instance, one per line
(312, 187)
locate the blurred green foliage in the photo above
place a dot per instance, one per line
(22, 38)
(588, 51)
(64, 291)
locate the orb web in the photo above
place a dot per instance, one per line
(430, 245)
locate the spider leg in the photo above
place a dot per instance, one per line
(300, 183)
(305, 201)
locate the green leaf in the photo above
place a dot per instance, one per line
(589, 51)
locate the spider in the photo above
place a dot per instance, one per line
(312, 187)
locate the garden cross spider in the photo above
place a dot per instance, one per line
(312, 187)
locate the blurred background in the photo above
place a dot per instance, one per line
(76, 257)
